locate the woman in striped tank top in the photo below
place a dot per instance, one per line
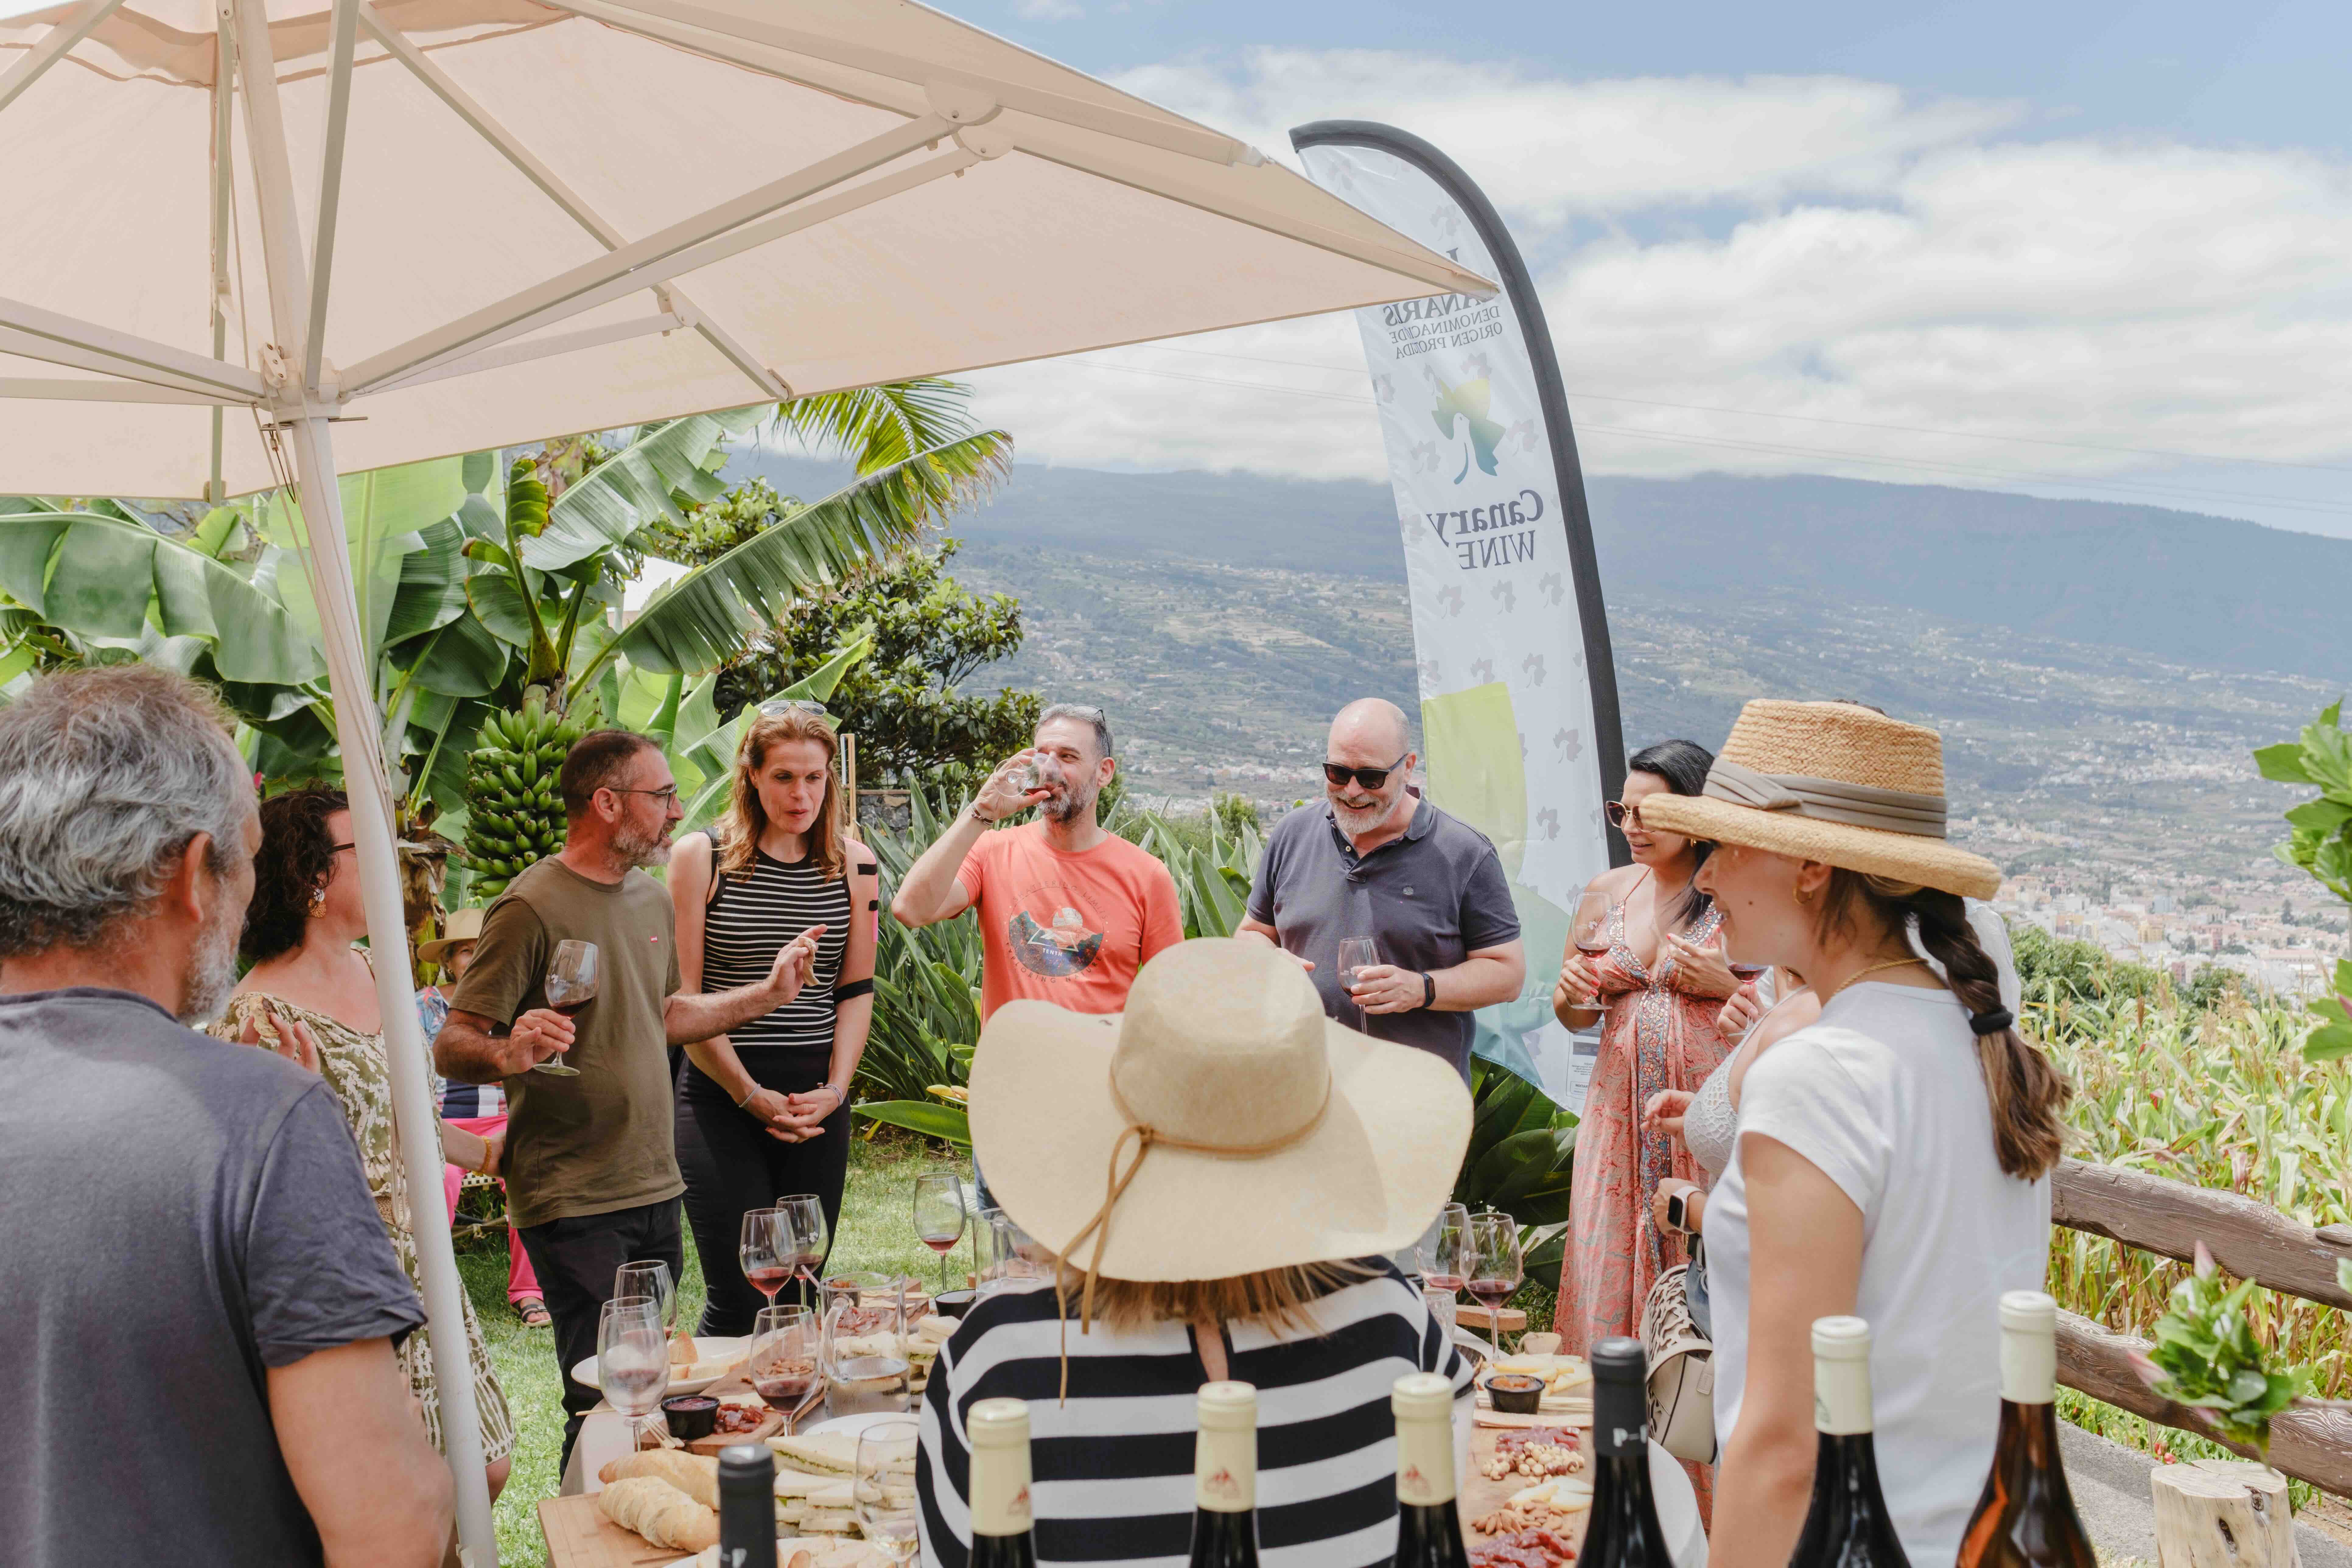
(762, 1111)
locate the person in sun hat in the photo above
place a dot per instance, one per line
(1219, 1171)
(1893, 1157)
(478, 1107)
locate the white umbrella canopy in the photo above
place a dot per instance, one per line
(259, 241)
(804, 196)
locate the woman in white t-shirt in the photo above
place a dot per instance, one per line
(1892, 1157)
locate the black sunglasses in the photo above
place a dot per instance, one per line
(1370, 778)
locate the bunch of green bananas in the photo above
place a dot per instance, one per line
(515, 813)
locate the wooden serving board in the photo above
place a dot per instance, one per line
(1477, 1496)
(718, 1440)
(1471, 1315)
(579, 1536)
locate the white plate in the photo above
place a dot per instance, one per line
(717, 1356)
(856, 1426)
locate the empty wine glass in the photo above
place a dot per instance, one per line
(632, 1359)
(1497, 1270)
(885, 1490)
(570, 986)
(1442, 1248)
(939, 1215)
(761, 1248)
(801, 1219)
(1010, 1254)
(1356, 953)
(648, 1282)
(783, 1355)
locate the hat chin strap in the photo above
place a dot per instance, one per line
(1115, 1184)
(1827, 800)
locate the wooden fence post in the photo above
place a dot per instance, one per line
(2223, 1513)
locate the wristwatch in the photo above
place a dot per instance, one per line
(1428, 989)
(1678, 1212)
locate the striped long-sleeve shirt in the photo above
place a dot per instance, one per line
(1112, 1469)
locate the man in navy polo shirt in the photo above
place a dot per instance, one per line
(1379, 861)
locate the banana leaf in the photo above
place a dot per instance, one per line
(711, 614)
(384, 511)
(711, 752)
(112, 582)
(603, 508)
(950, 1123)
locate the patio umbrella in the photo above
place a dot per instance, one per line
(252, 240)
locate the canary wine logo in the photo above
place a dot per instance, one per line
(1460, 413)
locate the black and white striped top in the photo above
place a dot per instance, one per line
(749, 922)
(1111, 1471)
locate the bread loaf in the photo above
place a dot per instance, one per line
(696, 1475)
(659, 1512)
(682, 1351)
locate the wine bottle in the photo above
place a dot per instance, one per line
(1000, 1484)
(1623, 1531)
(1224, 1477)
(1429, 1525)
(747, 1506)
(1847, 1526)
(2026, 1517)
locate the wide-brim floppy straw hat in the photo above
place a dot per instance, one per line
(462, 926)
(1220, 1126)
(1833, 782)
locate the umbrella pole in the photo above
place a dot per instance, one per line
(327, 560)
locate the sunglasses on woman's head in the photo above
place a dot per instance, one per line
(778, 705)
(1370, 778)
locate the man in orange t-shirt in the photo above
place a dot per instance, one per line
(1068, 912)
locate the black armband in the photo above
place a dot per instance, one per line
(853, 988)
(869, 869)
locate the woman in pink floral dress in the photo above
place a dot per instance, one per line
(1656, 992)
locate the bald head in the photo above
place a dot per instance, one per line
(1370, 725)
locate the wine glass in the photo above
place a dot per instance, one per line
(648, 1282)
(1013, 1256)
(801, 1218)
(1590, 927)
(783, 1355)
(939, 1215)
(632, 1359)
(1442, 1251)
(1356, 953)
(762, 1248)
(885, 1490)
(1496, 1272)
(570, 986)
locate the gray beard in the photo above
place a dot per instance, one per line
(641, 851)
(1351, 820)
(1067, 807)
(212, 971)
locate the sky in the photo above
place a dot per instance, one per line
(2081, 249)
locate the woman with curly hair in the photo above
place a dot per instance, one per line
(311, 994)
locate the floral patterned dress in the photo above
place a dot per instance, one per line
(1653, 1036)
(354, 1067)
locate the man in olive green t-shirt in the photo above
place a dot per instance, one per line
(591, 1171)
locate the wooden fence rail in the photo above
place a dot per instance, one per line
(2252, 1241)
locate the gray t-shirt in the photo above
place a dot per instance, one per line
(180, 1215)
(1429, 900)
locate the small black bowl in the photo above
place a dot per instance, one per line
(955, 1304)
(1515, 1393)
(690, 1416)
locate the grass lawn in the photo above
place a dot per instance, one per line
(877, 1232)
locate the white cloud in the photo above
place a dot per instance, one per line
(1048, 10)
(1814, 246)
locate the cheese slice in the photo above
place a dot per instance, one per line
(1569, 1493)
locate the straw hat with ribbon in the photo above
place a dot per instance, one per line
(462, 926)
(1220, 1126)
(1833, 782)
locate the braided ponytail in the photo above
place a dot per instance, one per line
(2026, 1092)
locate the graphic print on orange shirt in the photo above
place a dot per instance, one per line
(1069, 946)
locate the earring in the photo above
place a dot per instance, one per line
(318, 903)
(1804, 896)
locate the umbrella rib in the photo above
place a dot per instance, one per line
(1126, 124)
(345, 37)
(539, 347)
(647, 261)
(61, 37)
(273, 178)
(106, 390)
(486, 126)
(68, 340)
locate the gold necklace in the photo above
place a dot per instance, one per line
(1890, 963)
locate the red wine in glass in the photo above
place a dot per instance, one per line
(1491, 1293)
(941, 1245)
(1442, 1281)
(784, 1392)
(1747, 971)
(570, 1009)
(768, 1279)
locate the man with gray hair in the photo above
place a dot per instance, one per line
(1069, 912)
(1424, 893)
(202, 1300)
